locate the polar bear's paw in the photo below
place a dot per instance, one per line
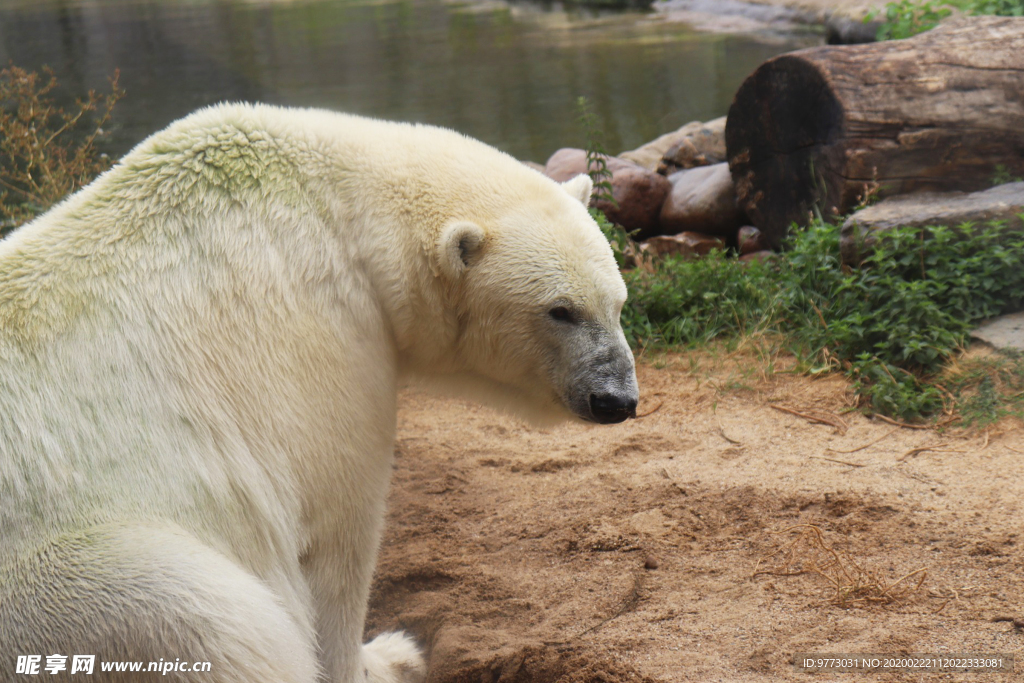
(393, 658)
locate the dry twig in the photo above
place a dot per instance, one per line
(869, 443)
(822, 418)
(904, 425)
(721, 430)
(841, 462)
(921, 449)
(651, 411)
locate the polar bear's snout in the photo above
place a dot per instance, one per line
(613, 398)
(606, 390)
(612, 408)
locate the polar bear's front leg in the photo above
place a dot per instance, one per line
(340, 583)
(393, 658)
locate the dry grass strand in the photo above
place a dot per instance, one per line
(852, 584)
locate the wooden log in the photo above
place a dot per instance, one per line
(816, 129)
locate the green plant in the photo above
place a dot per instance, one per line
(908, 18)
(689, 302)
(1003, 176)
(894, 323)
(597, 168)
(621, 241)
(45, 151)
(1002, 8)
(891, 325)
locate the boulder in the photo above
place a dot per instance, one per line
(650, 154)
(702, 200)
(686, 244)
(763, 255)
(1000, 203)
(703, 146)
(638, 192)
(738, 16)
(749, 239)
(843, 29)
(1004, 332)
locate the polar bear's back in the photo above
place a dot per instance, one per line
(206, 163)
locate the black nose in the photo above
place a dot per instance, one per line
(612, 408)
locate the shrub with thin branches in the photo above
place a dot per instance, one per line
(46, 152)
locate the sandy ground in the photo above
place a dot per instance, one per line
(629, 552)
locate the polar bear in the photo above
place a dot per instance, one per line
(199, 358)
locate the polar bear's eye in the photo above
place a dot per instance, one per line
(561, 314)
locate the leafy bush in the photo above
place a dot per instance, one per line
(689, 302)
(1001, 8)
(910, 17)
(46, 152)
(891, 325)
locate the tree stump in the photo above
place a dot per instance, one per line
(817, 129)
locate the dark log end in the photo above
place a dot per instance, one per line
(779, 121)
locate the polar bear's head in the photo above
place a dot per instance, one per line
(535, 295)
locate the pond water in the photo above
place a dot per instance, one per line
(507, 73)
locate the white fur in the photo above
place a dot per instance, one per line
(199, 355)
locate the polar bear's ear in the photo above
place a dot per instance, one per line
(459, 246)
(580, 188)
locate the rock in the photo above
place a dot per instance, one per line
(639, 192)
(1004, 332)
(765, 255)
(736, 16)
(1000, 203)
(749, 239)
(534, 165)
(598, 5)
(649, 155)
(652, 562)
(842, 29)
(684, 154)
(702, 200)
(686, 244)
(702, 147)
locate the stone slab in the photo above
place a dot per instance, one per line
(1000, 203)
(1004, 332)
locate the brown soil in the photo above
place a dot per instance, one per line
(628, 553)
